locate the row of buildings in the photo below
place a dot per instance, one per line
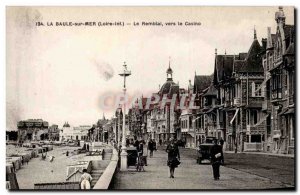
(39, 130)
(248, 101)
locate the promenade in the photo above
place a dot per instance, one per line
(190, 175)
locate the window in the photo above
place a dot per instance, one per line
(258, 93)
(254, 116)
(255, 91)
(248, 117)
(269, 125)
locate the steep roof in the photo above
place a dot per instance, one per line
(237, 65)
(287, 30)
(289, 34)
(241, 56)
(253, 61)
(201, 82)
(273, 36)
(290, 50)
(223, 67)
(212, 91)
(66, 124)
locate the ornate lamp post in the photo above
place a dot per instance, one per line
(124, 74)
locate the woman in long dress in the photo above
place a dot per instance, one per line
(173, 156)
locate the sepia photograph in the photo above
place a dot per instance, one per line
(150, 98)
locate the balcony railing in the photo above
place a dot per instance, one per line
(277, 61)
(259, 128)
(276, 95)
(255, 101)
(276, 133)
(291, 100)
(237, 101)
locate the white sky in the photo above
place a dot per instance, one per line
(58, 73)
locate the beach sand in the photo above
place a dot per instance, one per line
(44, 171)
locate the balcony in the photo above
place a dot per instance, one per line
(277, 61)
(291, 99)
(200, 131)
(257, 129)
(237, 101)
(276, 134)
(229, 130)
(255, 102)
(276, 95)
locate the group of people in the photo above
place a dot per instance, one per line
(216, 155)
(172, 149)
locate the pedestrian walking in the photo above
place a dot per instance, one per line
(216, 158)
(140, 148)
(160, 142)
(221, 142)
(85, 180)
(51, 158)
(173, 156)
(151, 147)
(222, 145)
(87, 147)
(154, 145)
(136, 144)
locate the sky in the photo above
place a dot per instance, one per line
(62, 73)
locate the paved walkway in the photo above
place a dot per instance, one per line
(189, 175)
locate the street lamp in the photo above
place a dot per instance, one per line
(124, 74)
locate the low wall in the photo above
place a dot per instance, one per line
(106, 179)
(253, 147)
(57, 186)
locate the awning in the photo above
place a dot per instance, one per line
(283, 111)
(261, 120)
(262, 84)
(290, 111)
(210, 110)
(236, 112)
(276, 136)
(191, 134)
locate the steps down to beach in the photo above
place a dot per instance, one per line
(96, 174)
(97, 170)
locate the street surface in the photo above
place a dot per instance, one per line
(190, 175)
(276, 168)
